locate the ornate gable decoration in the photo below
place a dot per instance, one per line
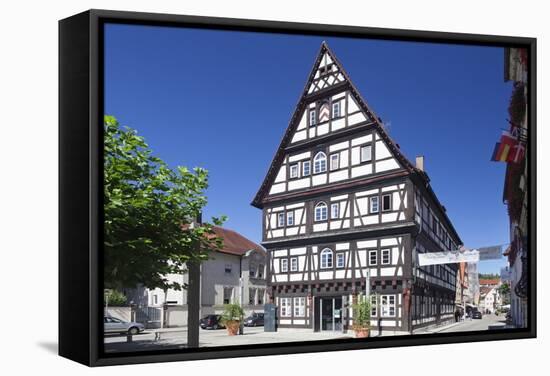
(315, 116)
(328, 74)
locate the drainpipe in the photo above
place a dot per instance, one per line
(241, 293)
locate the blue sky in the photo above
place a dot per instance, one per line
(222, 100)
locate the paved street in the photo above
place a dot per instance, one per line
(468, 325)
(177, 337)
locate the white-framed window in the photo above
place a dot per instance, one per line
(306, 168)
(374, 204)
(335, 161)
(155, 299)
(366, 153)
(251, 296)
(326, 258)
(294, 264)
(290, 218)
(340, 260)
(336, 113)
(386, 256)
(373, 306)
(373, 257)
(312, 117)
(386, 202)
(300, 306)
(284, 265)
(261, 294)
(281, 219)
(321, 212)
(285, 307)
(294, 171)
(319, 163)
(260, 271)
(387, 305)
(335, 210)
(227, 295)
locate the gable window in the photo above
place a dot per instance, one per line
(228, 268)
(326, 259)
(285, 307)
(294, 171)
(386, 202)
(300, 306)
(373, 204)
(281, 219)
(366, 153)
(340, 260)
(373, 257)
(335, 211)
(294, 264)
(387, 305)
(335, 161)
(284, 265)
(321, 212)
(312, 117)
(336, 110)
(319, 163)
(306, 168)
(290, 218)
(386, 257)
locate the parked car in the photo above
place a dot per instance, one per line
(255, 319)
(211, 322)
(114, 325)
(476, 315)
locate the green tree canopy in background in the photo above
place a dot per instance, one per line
(148, 214)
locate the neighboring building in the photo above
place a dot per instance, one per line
(515, 186)
(489, 282)
(462, 297)
(344, 209)
(220, 282)
(489, 299)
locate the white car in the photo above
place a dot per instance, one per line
(114, 325)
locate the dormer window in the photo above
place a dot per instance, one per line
(320, 163)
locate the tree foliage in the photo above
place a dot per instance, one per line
(149, 212)
(114, 298)
(361, 311)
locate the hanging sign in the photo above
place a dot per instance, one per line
(505, 274)
(437, 258)
(490, 253)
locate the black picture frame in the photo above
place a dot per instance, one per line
(80, 172)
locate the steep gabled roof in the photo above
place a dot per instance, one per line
(306, 98)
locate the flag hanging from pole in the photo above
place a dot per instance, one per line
(504, 150)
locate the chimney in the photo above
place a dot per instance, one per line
(420, 162)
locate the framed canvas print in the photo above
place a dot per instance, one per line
(237, 187)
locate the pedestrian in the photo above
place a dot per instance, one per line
(457, 315)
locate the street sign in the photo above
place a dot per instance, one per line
(437, 258)
(490, 253)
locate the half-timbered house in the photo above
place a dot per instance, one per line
(344, 212)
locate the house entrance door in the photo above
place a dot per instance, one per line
(330, 313)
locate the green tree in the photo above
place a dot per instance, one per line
(149, 211)
(114, 298)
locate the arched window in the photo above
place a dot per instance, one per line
(326, 258)
(321, 212)
(319, 163)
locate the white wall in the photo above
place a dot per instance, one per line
(29, 91)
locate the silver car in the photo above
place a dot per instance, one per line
(114, 325)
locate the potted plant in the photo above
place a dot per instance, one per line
(231, 318)
(361, 316)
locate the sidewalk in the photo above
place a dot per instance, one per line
(437, 328)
